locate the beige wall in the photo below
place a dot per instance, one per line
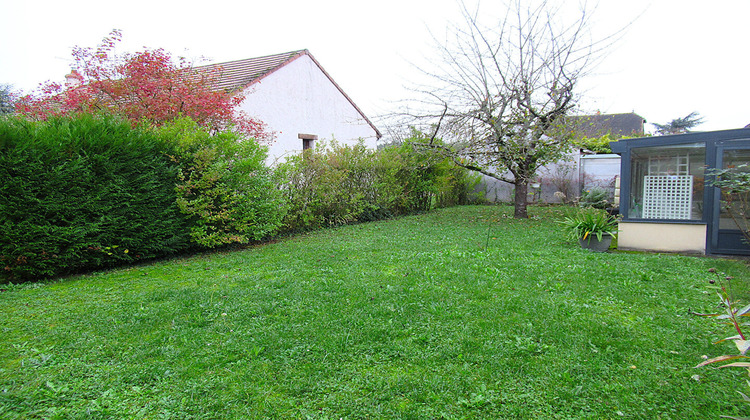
(666, 237)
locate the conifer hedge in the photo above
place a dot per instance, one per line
(91, 191)
(84, 192)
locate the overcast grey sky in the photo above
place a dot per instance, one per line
(678, 56)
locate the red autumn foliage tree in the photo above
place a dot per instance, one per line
(142, 86)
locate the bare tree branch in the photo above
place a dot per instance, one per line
(503, 90)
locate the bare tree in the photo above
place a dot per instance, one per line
(502, 92)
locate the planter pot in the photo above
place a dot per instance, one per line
(595, 244)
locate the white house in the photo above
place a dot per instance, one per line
(298, 101)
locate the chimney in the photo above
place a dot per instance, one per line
(73, 78)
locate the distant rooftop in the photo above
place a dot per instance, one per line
(618, 125)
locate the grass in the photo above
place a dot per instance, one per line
(460, 313)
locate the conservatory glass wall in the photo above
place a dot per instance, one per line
(667, 182)
(734, 205)
(668, 200)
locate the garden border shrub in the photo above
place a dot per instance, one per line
(84, 192)
(340, 184)
(92, 191)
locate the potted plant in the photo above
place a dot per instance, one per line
(593, 228)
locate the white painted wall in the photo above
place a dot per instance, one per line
(299, 99)
(600, 170)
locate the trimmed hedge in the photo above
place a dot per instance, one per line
(91, 191)
(84, 192)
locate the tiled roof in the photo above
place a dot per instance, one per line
(239, 74)
(618, 125)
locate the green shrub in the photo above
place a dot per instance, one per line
(429, 180)
(327, 188)
(601, 145)
(87, 192)
(598, 145)
(346, 184)
(84, 192)
(223, 185)
(596, 197)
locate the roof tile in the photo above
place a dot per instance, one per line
(233, 75)
(618, 125)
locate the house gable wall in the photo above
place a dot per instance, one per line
(299, 98)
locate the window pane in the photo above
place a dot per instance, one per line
(733, 213)
(667, 182)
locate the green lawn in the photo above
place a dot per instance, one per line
(460, 313)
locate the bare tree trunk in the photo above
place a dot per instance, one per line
(503, 88)
(519, 208)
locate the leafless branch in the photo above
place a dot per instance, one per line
(501, 91)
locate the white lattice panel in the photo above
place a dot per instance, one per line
(667, 196)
